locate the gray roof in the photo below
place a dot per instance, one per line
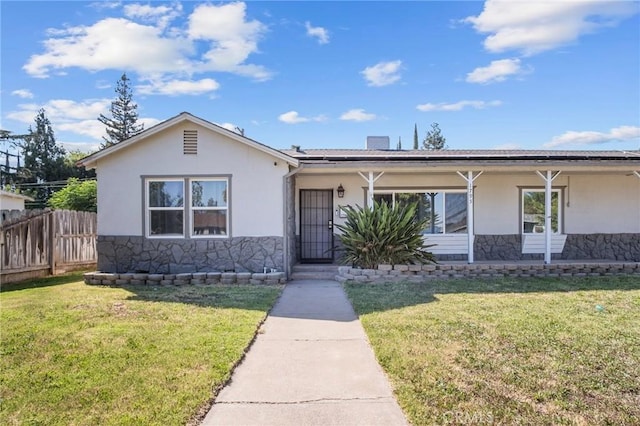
(457, 155)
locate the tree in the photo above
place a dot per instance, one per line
(71, 161)
(76, 195)
(415, 136)
(399, 146)
(44, 160)
(434, 140)
(124, 115)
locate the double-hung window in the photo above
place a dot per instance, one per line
(187, 207)
(445, 211)
(165, 207)
(533, 210)
(209, 207)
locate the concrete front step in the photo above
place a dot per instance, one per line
(319, 267)
(314, 275)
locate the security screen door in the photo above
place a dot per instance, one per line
(316, 225)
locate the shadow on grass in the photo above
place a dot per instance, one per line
(216, 296)
(43, 282)
(368, 298)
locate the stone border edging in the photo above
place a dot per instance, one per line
(419, 273)
(194, 278)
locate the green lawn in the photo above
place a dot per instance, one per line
(74, 354)
(511, 351)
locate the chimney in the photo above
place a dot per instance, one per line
(377, 142)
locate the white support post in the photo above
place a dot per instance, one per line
(637, 174)
(548, 180)
(470, 232)
(371, 180)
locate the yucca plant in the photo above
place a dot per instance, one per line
(384, 235)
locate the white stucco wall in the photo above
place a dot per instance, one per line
(11, 202)
(597, 202)
(256, 194)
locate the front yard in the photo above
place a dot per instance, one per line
(510, 351)
(78, 354)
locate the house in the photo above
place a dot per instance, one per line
(187, 195)
(12, 200)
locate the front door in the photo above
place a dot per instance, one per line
(316, 225)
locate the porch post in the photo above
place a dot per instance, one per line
(371, 180)
(637, 174)
(548, 180)
(470, 232)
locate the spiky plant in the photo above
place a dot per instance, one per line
(384, 235)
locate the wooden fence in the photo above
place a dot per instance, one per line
(44, 242)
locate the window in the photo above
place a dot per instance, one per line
(445, 211)
(204, 209)
(166, 208)
(533, 211)
(209, 207)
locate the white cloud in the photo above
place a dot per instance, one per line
(382, 73)
(232, 38)
(160, 15)
(535, 26)
(320, 33)
(457, 106)
(617, 134)
(178, 87)
(71, 116)
(145, 42)
(292, 117)
(496, 71)
(357, 115)
(23, 93)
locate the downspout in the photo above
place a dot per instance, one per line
(285, 233)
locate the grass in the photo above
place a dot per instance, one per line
(74, 354)
(511, 351)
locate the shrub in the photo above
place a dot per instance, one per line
(76, 195)
(384, 235)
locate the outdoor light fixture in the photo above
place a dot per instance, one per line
(340, 191)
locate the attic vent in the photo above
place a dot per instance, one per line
(190, 142)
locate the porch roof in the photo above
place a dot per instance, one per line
(445, 160)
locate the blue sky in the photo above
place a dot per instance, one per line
(515, 74)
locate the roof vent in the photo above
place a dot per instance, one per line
(190, 142)
(377, 142)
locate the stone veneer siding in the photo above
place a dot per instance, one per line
(122, 254)
(619, 247)
(422, 273)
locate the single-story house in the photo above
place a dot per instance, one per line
(187, 195)
(12, 200)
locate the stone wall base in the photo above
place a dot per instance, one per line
(197, 278)
(421, 273)
(122, 254)
(616, 247)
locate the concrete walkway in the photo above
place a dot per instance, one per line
(310, 365)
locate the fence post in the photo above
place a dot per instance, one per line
(52, 242)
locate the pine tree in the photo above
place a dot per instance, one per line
(415, 136)
(434, 140)
(124, 115)
(44, 160)
(399, 146)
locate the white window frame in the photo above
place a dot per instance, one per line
(559, 219)
(423, 191)
(192, 208)
(148, 209)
